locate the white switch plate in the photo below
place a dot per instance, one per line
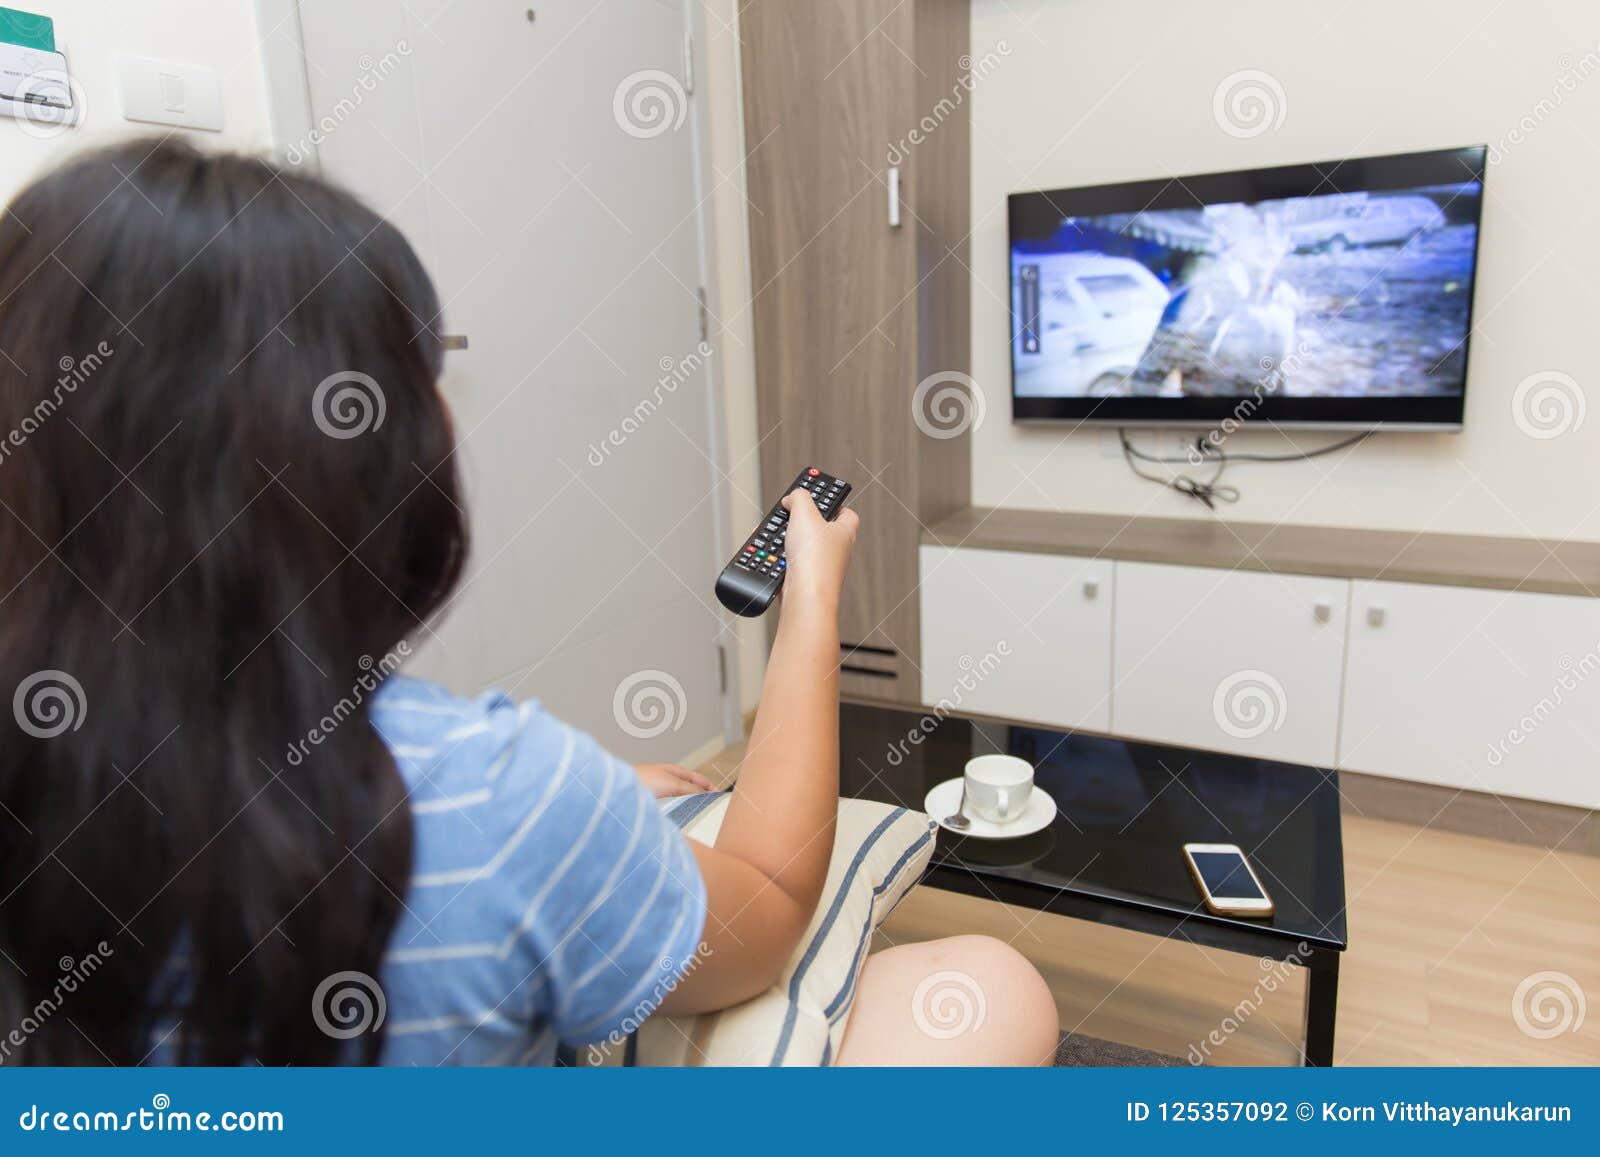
(169, 92)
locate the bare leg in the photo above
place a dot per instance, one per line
(964, 1000)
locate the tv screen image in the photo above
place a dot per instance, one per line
(1337, 293)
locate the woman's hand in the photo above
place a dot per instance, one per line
(765, 875)
(665, 780)
(818, 551)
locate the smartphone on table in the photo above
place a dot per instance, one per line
(1227, 882)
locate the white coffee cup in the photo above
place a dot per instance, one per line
(998, 787)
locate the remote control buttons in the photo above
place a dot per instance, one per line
(763, 553)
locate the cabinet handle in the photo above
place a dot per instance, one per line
(1091, 588)
(1375, 616)
(894, 196)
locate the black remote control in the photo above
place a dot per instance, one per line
(749, 583)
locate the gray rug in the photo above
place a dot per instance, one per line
(1077, 1051)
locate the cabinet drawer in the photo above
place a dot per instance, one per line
(1230, 660)
(1494, 691)
(1024, 636)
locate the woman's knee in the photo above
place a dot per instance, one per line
(989, 979)
(963, 1000)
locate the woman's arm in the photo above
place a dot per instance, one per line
(765, 875)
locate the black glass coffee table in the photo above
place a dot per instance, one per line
(1114, 853)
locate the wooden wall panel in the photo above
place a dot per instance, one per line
(842, 307)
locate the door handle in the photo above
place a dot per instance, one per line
(894, 196)
(453, 341)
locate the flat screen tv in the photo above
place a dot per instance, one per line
(1335, 294)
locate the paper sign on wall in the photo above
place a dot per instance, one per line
(35, 85)
(27, 30)
(34, 76)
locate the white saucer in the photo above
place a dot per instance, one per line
(943, 800)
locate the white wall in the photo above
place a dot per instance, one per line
(220, 34)
(732, 325)
(1108, 90)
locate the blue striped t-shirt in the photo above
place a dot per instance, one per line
(549, 902)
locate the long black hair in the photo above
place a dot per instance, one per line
(228, 499)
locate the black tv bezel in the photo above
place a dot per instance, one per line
(1031, 210)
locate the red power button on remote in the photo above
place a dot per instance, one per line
(813, 472)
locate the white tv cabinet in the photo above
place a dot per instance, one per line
(1458, 661)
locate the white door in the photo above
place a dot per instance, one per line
(1229, 660)
(544, 162)
(1022, 636)
(1493, 691)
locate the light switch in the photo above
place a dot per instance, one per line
(167, 92)
(172, 92)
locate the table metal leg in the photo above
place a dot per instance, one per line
(1322, 1005)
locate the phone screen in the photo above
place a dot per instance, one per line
(1226, 876)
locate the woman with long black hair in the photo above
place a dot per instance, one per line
(213, 780)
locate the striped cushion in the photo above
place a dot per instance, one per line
(879, 853)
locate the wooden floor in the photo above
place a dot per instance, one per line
(1444, 928)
